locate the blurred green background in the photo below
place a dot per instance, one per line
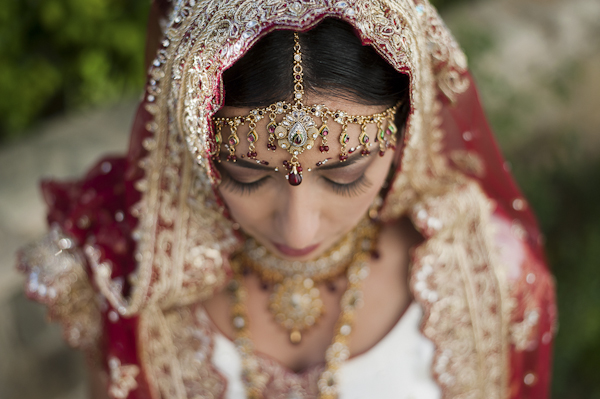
(537, 63)
(61, 55)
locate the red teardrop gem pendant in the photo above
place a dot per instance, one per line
(295, 178)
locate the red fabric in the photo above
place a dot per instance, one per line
(466, 115)
(88, 210)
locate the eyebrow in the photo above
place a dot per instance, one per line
(244, 163)
(335, 165)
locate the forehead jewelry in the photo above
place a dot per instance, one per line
(298, 130)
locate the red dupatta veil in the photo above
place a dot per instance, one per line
(148, 235)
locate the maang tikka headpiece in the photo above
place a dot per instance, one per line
(298, 131)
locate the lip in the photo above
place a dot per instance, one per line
(293, 252)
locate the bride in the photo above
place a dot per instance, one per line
(312, 205)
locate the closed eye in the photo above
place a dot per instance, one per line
(242, 188)
(351, 189)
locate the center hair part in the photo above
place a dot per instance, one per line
(298, 130)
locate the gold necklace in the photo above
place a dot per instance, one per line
(295, 302)
(336, 353)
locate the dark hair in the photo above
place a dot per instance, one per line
(334, 61)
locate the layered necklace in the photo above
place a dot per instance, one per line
(295, 300)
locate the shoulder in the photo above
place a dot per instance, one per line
(91, 209)
(56, 277)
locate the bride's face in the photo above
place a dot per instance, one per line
(302, 222)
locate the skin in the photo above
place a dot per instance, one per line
(329, 203)
(315, 212)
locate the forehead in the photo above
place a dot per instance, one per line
(309, 157)
(331, 102)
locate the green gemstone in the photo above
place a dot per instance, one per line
(392, 128)
(345, 138)
(364, 139)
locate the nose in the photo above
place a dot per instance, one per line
(297, 217)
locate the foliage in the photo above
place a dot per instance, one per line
(441, 5)
(66, 54)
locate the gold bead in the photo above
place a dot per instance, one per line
(295, 337)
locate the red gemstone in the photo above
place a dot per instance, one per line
(325, 132)
(381, 153)
(271, 128)
(326, 148)
(299, 168)
(295, 178)
(365, 152)
(343, 157)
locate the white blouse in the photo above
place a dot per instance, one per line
(397, 367)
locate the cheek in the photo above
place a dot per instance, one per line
(243, 209)
(254, 212)
(347, 211)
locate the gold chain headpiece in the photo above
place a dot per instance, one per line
(298, 131)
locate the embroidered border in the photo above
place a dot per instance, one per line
(176, 351)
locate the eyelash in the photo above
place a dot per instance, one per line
(242, 188)
(352, 189)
